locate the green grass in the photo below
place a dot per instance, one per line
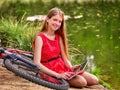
(17, 34)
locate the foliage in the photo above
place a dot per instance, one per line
(17, 34)
(105, 84)
(97, 72)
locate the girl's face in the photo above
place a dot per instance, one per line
(54, 22)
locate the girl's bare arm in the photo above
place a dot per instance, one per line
(37, 58)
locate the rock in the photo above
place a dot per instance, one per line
(93, 87)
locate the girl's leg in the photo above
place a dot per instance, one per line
(78, 81)
(90, 78)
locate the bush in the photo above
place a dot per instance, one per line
(17, 34)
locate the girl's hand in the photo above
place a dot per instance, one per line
(75, 68)
(65, 75)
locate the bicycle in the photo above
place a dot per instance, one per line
(20, 63)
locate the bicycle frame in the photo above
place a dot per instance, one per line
(17, 61)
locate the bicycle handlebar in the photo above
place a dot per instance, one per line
(1, 50)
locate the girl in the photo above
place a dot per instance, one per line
(51, 54)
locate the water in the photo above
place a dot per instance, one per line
(101, 42)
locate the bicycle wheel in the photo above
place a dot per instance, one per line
(24, 71)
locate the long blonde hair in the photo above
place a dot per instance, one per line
(61, 31)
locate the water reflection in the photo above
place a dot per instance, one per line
(42, 17)
(91, 63)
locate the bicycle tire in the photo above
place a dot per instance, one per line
(10, 66)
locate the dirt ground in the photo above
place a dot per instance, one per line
(10, 81)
